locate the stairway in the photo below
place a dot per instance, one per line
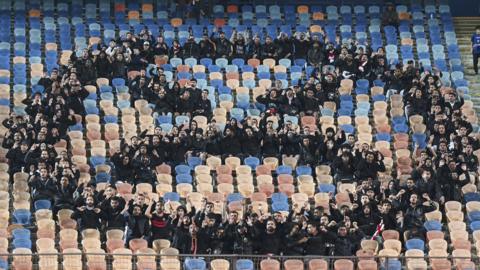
(464, 28)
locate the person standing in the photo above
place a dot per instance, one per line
(476, 48)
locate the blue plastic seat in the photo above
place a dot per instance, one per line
(432, 225)
(253, 162)
(110, 119)
(194, 162)
(21, 233)
(221, 62)
(473, 216)
(363, 84)
(383, 137)
(22, 216)
(415, 243)
(419, 139)
(393, 264)
(300, 62)
(280, 207)
(244, 264)
(400, 128)
(103, 177)
(471, 196)
(175, 61)
(206, 61)
(237, 113)
(195, 264)
(164, 119)
(22, 243)
(284, 169)
(231, 68)
(97, 160)
(348, 128)
(117, 82)
(326, 188)
(279, 197)
(171, 196)
(42, 204)
(475, 226)
(303, 170)
(182, 169)
(183, 179)
(225, 97)
(3, 264)
(234, 197)
(285, 62)
(182, 119)
(227, 91)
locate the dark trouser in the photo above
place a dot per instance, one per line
(475, 62)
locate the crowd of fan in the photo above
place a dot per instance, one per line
(440, 170)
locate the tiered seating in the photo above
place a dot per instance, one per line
(52, 32)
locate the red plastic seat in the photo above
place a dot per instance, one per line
(285, 179)
(224, 178)
(224, 169)
(137, 243)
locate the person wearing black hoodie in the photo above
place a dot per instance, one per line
(223, 46)
(315, 55)
(367, 220)
(347, 241)
(64, 195)
(343, 166)
(387, 215)
(138, 225)
(270, 240)
(142, 166)
(203, 106)
(16, 157)
(113, 215)
(284, 46)
(370, 166)
(293, 242)
(291, 143)
(42, 186)
(191, 48)
(88, 215)
(316, 240)
(290, 103)
(270, 144)
(124, 169)
(269, 49)
(251, 142)
(231, 145)
(301, 45)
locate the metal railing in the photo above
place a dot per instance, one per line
(384, 263)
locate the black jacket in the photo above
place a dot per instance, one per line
(251, 145)
(138, 226)
(231, 145)
(16, 160)
(64, 196)
(316, 245)
(365, 169)
(270, 243)
(191, 49)
(88, 218)
(42, 189)
(414, 216)
(114, 218)
(349, 244)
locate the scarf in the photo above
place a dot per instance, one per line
(194, 245)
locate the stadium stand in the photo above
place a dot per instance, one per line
(144, 135)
